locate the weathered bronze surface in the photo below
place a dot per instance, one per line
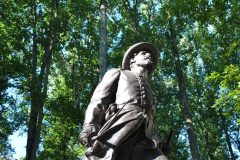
(120, 119)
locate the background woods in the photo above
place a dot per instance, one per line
(52, 54)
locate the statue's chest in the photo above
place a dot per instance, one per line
(131, 86)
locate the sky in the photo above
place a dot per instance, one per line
(18, 143)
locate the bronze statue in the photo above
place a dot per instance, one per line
(119, 121)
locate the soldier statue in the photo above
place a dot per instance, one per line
(120, 119)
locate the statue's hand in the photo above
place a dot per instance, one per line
(83, 140)
(87, 133)
(166, 146)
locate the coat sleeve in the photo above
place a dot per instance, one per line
(102, 97)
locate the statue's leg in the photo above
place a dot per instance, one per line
(110, 155)
(143, 151)
(161, 157)
(89, 158)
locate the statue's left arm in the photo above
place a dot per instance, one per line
(102, 97)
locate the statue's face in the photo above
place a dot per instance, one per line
(143, 59)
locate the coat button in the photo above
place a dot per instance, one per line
(143, 92)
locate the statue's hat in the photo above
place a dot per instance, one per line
(141, 46)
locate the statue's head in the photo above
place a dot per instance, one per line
(142, 58)
(143, 53)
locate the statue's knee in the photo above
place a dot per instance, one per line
(162, 157)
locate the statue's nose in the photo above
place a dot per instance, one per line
(147, 54)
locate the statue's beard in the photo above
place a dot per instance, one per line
(147, 63)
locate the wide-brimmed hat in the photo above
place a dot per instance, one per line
(142, 46)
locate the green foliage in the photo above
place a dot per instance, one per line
(12, 69)
(229, 89)
(208, 42)
(60, 139)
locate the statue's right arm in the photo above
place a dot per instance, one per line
(100, 101)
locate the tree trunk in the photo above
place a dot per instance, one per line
(208, 144)
(38, 99)
(225, 130)
(134, 16)
(201, 124)
(33, 90)
(38, 88)
(183, 97)
(103, 41)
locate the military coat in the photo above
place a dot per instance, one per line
(127, 100)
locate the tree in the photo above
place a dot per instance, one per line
(183, 96)
(49, 61)
(39, 81)
(12, 71)
(103, 40)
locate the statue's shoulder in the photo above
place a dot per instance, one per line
(124, 71)
(112, 73)
(117, 72)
